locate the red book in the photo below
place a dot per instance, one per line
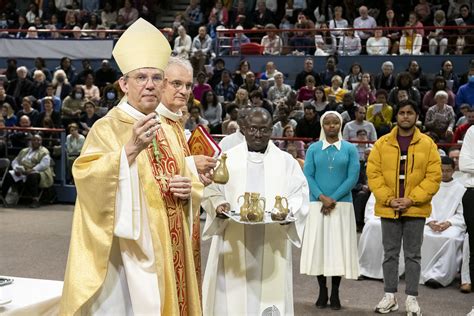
(201, 143)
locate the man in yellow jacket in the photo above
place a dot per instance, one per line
(404, 172)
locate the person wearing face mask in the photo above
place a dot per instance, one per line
(466, 91)
(73, 106)
(109, 99)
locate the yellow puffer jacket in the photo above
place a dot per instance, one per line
(422, 174)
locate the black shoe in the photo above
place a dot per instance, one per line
(335, 303)
(433, 284)
(322, 301)
(35, 204)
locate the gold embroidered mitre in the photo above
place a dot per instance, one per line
(142, 45)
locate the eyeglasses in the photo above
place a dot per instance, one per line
(142, 80)
(178, 85)
(263, 130)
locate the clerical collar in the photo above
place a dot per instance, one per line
(256, 157)
(130, 110)
(337, 144)
(164, 111)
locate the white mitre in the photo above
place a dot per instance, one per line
(142, 45)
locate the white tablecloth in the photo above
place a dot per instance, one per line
(31, 297)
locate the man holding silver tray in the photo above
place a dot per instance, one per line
(239, 252)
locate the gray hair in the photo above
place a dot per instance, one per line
(179, 61)
(22, 68)
(387, 63)
(441, 93)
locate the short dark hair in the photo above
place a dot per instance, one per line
(310, 107)
(405, 103)
(256, 93)
(381, 92)
(445, 160)
(231, 107)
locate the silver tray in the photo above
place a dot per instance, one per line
(267, 219)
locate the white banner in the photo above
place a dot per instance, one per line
(56, 49)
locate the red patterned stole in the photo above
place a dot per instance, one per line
(164, 170)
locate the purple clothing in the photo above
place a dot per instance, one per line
(363, 96)
(305, 94)
(199, 90)
(283, 145)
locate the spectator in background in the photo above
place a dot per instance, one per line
(349, 44)
(86, 70)
(272, 44)
(220, 12)
(195, 119)
(49, 113)
(129, 13)
(28, 110)
(461, 130)
(410, 42)
(386, 79)
(50, 94)
(283, 113)
(8, 114)
(226, 89)
(347, 108)
(200, 87)
(325, 42)
(71, 23)
(241, 72)
(309, 125)
(216, 76)
(91, 91)
(182, 43)
(338, 22)
(109, 99)
(242, 98)
(105, 74)
(108, 16)
(364, 21)
(380, 114)
(19, 139)
(331, 70)
(194, 17)
(439, 84)
(257, 100)
(319, 101)
(440, 118)
(5, 98)
(364, 93)
(21, 86)
(463, 112)
(306, 93)
(419, 79)
(377, 44)
(404, 82)
(40, 64)
(353, 78)
(22, 24)
(88, 117)
(289, 132)
(200, 50)
(74, 143)
(70, 71)
(250, 84)
(447, 72)
(232, 114)
(351, 129)
(416, 23)
(279, 92)
(73, 106)
(466, 92)
(91, 25)
(438, 37)
(335, 92)
(308, 69)
(238, 39)
(212, 112)
(262, 16)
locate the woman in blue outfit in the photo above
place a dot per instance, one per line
(330, 238)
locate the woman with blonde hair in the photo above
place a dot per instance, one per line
(242, 98)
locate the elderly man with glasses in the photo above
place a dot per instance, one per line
(131, 250)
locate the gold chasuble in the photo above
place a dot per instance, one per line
(96, 174)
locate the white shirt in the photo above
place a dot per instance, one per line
(466, 158)
(367, 23)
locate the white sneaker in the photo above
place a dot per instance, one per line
(471, 313)
(387, 304)
(412, 307)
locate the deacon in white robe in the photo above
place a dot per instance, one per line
(249, 268)
(370, 245)
(441, 252)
